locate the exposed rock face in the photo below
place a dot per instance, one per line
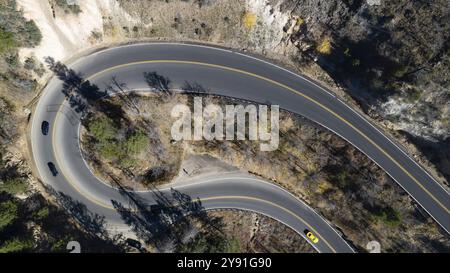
(391, 56)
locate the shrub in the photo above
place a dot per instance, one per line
(68, 8)
(6, 41)
(22, 32)
(211, 242)
(16, 245)
(413, 95)
(32, 34)
(111, 150)
(8, 213)
(109, 145)
(324, 47)
(136, 142)
(42, 213)
(300, 21)
(103, 129)
(249, 20)
(14, 186)
(127, 163)
(389, 216)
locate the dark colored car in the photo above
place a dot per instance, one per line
(45, 127)
(134, 243)
(52, 168)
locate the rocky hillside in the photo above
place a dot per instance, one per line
(391, 56)
(334, 178)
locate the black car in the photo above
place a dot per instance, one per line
(52, 168)
(134, 243)
(44, 127)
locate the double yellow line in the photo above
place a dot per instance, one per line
(291, 90)
(107, 206)
(95, 75)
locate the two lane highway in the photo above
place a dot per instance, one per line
(227, 73)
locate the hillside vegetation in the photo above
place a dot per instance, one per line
(28, 221)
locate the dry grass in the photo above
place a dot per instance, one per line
(260, 234)
(337, 180)
(160, 154)
(219, 22)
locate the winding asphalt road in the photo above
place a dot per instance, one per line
(232, 74)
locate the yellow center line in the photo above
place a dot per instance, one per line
(110, 207)
(291, 90)
(95, 201)
(275, 205)
(258, 77)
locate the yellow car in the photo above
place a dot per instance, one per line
(311, 236)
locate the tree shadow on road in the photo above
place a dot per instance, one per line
(194, 87)
(158, 82)
(121, 90)
(82, 95)
(93, 224)
(79, 91)
(164, 223)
